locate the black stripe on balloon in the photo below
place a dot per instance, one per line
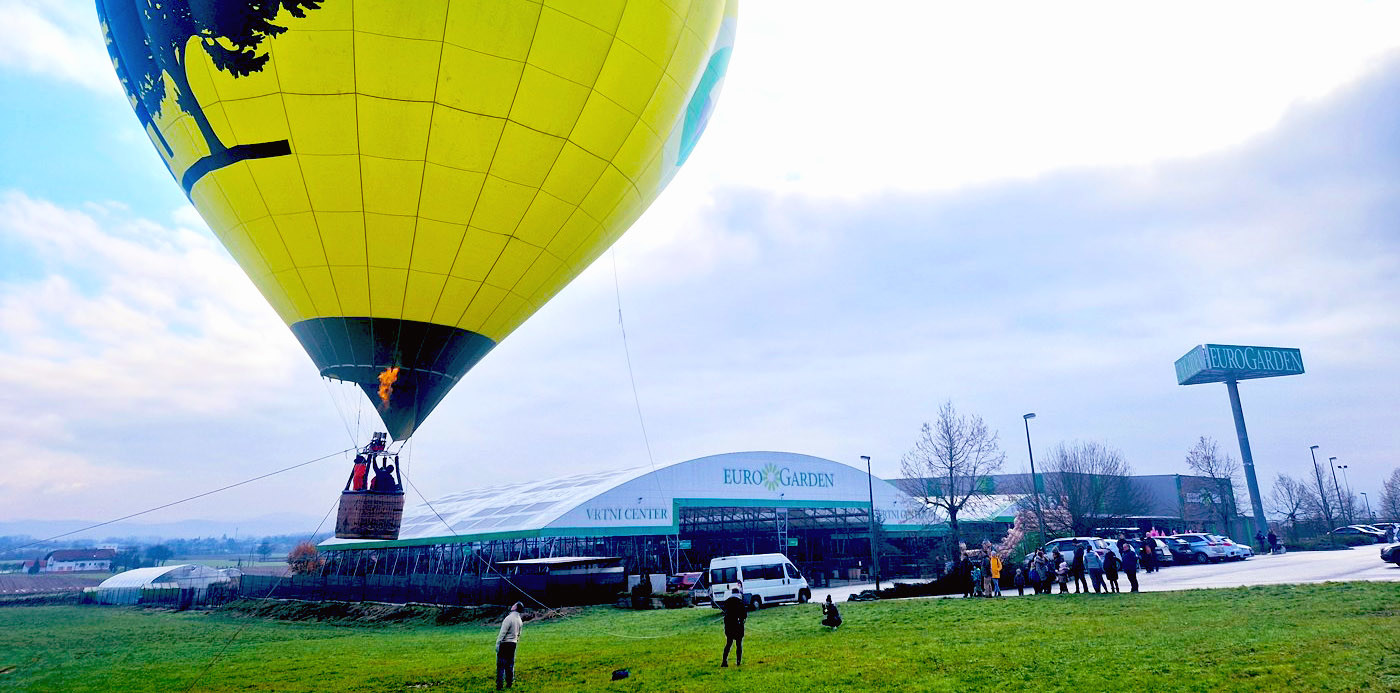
(431, 359)
(232, 155)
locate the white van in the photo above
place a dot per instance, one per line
(767, 578)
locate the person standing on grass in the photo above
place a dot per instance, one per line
(1093, 560)
(1130, 565)
(735, 613)
(1020, 581)
(994, 567)
(1077, 569)
(1062, 575)
(506, 642)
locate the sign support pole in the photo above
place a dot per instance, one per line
(1260, 524)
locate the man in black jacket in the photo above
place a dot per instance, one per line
(735, 612)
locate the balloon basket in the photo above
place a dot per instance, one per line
(369, 515)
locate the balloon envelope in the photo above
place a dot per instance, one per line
(407, 182)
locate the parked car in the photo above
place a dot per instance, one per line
(1391, 554)
(1180, 549)
(682, 582)
(1234, 551)
(1164, 554)
(1203, 549)
(1360, 531)
(1066, 545)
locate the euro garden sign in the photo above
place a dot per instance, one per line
(1218, 363)
(1229, 364)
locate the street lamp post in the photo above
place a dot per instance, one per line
(1351, 514)
(1369, 515)
(1035, 480)
(874, 555)
(1341, 507)
(1321, 487)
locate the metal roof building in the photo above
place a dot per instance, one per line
(641, 501)
(669, 518)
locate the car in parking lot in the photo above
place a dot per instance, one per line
(1391, 553)
(1202, 548)
(1066, 545)
(1163, 552)
(1180, 549)
(1234, 551)
(1360, 531)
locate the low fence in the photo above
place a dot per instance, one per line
(447, 590)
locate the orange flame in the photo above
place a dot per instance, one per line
(386, 383)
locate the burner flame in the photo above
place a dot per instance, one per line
(386, 384)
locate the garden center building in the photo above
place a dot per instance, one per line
(664, 519)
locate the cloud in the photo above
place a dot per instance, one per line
(937, 95)
(59, 39)
(134, 336)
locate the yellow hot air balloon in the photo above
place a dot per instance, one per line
(406, 181)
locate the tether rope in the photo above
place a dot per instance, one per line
(548, 609)
(275, 584)
(185, 500)
(636, 398)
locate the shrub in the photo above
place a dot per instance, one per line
(675, 600)
(1329, 543)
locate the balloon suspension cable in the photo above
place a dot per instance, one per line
(339, 404)
(275, 584)
(636, 399)
(187, 499)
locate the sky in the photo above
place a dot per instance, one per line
(1007, 206)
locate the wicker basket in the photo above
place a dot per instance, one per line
(369, 515)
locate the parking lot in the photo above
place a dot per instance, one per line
(1362, 563)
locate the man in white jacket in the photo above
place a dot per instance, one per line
(505, 647)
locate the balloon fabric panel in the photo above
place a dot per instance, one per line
(406, 183)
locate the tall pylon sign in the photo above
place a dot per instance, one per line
(1223, 363)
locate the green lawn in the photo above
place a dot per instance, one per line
(1334, 637)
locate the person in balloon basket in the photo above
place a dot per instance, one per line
(359, 473)
(506, 642)
(735, 613)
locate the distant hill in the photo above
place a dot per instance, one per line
(264, 525)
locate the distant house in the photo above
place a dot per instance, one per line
(78, 560)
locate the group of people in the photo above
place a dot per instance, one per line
(383, 480)
(1103, 567)
(980, 572)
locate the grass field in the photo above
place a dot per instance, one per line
(1332, 637)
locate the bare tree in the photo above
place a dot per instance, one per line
(1390, 497)
(1090, 482)
(1291, 501)
(1205, 460)
(950, 464)
(1321, 495)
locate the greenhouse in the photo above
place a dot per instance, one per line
(161, 584)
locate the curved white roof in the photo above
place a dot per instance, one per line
(183, 575)
(639, 501)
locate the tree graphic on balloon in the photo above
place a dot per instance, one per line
(148, 41)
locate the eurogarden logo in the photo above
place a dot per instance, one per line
(773, 477)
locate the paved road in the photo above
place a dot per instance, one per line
(1363, 563)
